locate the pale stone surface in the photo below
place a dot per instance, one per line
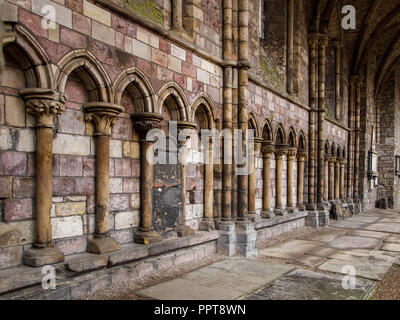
(147, 37)
(322, 252)
(394, 247)
(115, 148)
(348, 224)
(327, 236)
(290, 249)
(142, 50)
(203, 76)
(14, 111)
(393, 239)
(71, 145)
(352, 242)
(128, 219)
(369, 234)
(70, 208)
(385, 227)
(309, 260)
(366, 219)
(26, 140)
(5, 138)
(103, 33)
(67, 227)
(92, 11)
(63, 14)
(174, 64)
(17, 233)
(178, 52)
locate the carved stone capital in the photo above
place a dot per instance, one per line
(257, 144)
(103, 115)
(281, 150)
(332, 160)
(302, 155)
(291, 153)
(343, 161)
(323, 42)
(146, 121)
(43, 104)
(185, 125)
(268, 148)
(313, 40)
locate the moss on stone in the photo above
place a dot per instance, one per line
(146, 9)
(272, 74)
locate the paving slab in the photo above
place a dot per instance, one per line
(327, 236)
(354, 242)
(376, 256)
(290, 249)
(309, 260)
(307, 285)
(349, 224)
(225, 280)
(365, 219)
(369, 234)
(390, 220)
(322, 251)
(385, 227)
(393, 239)
(394, 247)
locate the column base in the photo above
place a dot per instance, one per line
(41, 257)
(318, 219)
(280, 212)
(267, 214)
(207, 225)
(103, 245)
(246, 238)
(292, 210)
(311, 207)
(226, 244)
(253, 216)
(147, 237)
(185, 231)
(301, 207)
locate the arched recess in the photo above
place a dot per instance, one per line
(173, 97)
(89, 70)
(204, 105)
(267, 133)
(280, 135)
(30, 56)
(333, 149)
(133, 82)
(302, 142)
(327, 147)
(292, 140)
(253, 124)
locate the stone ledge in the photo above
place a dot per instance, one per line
(81, 264)
(265, 223)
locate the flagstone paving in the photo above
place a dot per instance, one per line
(361, 247)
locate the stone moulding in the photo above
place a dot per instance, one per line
(103, 115)
(146, 121)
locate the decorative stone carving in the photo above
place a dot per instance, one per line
(146, 121)
(103, 115)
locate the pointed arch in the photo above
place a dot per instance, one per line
(280, 135)
(203, 103)
(333, 149)
(344, 152)
(173, 96)
(139, 87)
(91, 72)
(302, 141)
(253, 124)
(339, 151)
(267, 133)
(327, 147)
(292, 139)
(31, 56)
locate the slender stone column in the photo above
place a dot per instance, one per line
(338, 100)
(183, 229)
(301, 159)
(268, 149)
(291, 155)
(144, 122)
(337, 178)
(280, 152)
(177, 15)
(343, 162)
(326, 183)
(313, 41)
(252, 178)
(332, 161)
(357, 141)
(323, 43)
(290, 47)
(350, 167)
(207, 223)
(103, 116)
(44, 104)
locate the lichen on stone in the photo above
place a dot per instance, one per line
(146, 9)
(272, 74)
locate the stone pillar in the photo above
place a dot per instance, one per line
(357, 141)
(301, 159)
(183, 229)
(326, 183)
(280, 152)
(144, 122)
(252, 179)
(332, 162)
(338, 100)
(103, 116)
(268, 149)
(290, 47)
(313, 41)
(342, 186)
(207, 223)
(291, 155)
(177, 15)
(337, 178)
(44, 104)
(350, 167)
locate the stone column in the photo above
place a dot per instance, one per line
(301, 159)
(144, 122)
(342, 186)
(252, 179)
(291, 155)
(350, 167)
(207, 223)
(268, 149)
(183, 229)
(280, 152)
(177, 15)
(326, 184)
(313, 41)
(338, 100)
(332, 161)
(103, 116)
(290, 47)
(337, 178)
(357, 141)
(44, 104)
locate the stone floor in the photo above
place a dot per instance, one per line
(344, 261)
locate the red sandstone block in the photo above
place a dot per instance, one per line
(10, 257)
(32, 165)
(71, 121)
(23, 188)
(56, 165)
(197, 86)
(135, 201)
(118, 23)
(131, 185)
(91, 204)
(84, 186)
(189, 70)
(55, 50)
(147, 67)
(122, 129)
(159, 57)
(71, 38)
(88, 167)
(119, 40)
(13, 163)
(5, 187)
(33, 22)
(75, 91)
(81, 23)
(180, 79)
(124, 60)
(74, 5)
(63, 186)
(112, 168)
(123, 167)
(189, 57)
(17, 209)
(70, 166)
(135, 168)
(131, 29)
(119, 202)
(72, 246)
(102, 51)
